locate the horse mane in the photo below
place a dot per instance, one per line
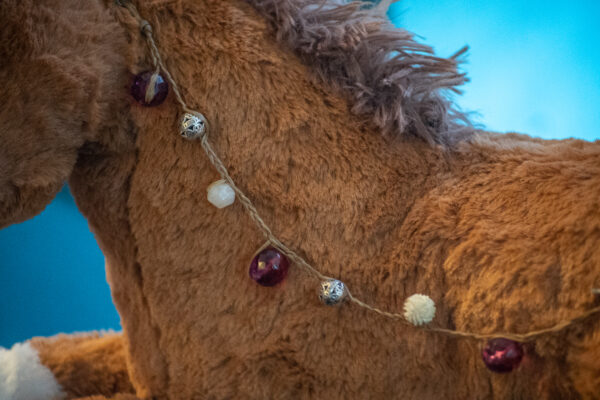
(387, 75)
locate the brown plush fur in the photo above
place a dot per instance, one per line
(86, 364)
(116, 397)
(502, 231)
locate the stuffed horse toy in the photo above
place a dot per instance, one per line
(337, 230)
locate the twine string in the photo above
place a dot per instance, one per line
(272, 240)
(146, 30)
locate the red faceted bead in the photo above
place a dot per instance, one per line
(140, 87)
(502, 355)
(269, 267)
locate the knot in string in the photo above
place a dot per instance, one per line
(145, 27)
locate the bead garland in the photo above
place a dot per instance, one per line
(503, 352)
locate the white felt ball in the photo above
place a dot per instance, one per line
(419, 309)
(220, 194)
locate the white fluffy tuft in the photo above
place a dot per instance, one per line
(23, 377)
(419, 309)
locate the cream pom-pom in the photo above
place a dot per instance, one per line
(24, 377)
(419, 309)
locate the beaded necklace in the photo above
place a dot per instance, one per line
(502, 352)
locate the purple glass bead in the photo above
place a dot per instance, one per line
(269, 267)
(502, 355)
(140, 87)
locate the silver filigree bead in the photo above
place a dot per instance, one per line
(332, 292)
(192, 126)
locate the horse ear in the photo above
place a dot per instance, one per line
(58, 88)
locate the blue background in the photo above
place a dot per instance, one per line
(534, 68)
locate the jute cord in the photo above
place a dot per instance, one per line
(272, 240)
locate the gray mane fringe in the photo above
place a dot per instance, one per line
(385, 72)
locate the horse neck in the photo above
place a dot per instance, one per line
(289, 140)
(326, 181)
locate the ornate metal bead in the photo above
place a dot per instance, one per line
(332, 292)
(192, 126)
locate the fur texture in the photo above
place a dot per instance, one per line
(86, 364)
(23, 377)
(501, 231)
(56, 96)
